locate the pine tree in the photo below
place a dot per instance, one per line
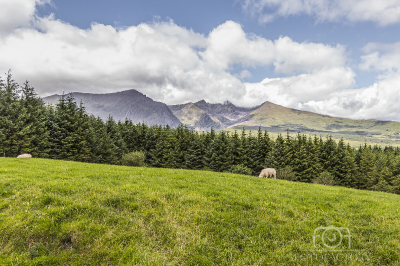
(302, 165)
(36, 136)
(194, 157)
(342, 168)
(129, 135)
(235, 144)
(253, 157)
(368, 174)
(170, 151)
(84, 136)
(351, 179)
(243, 149)
(328, 156)
(14, 130)
(116, 136)
(107, 151)
(274, 157)
(73, 124)
(55, 133)
(313, 151)
(220, 153)
(288, 152)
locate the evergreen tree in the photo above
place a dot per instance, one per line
(35, 135)
(219, 154)
(313, 152)
(194, 157)
(302, 165)
(342, 166)
(129, 134)
(243, 149)
(253, 157)
(275, 156)
(116, 136)
(55, 133)
(328, 157)
(368, 174)
(13, 117)
(288, 152)
(73, 128)
(107, 151)
(171, 152)
(351, 178)
(235, 146)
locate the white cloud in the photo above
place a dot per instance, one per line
(228, 44)
(382, 12)
(379, 101)
(165, 61)
(384, 58)
(173, 64)
(17, 13)
(295, 90)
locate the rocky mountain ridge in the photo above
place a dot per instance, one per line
(201, 116)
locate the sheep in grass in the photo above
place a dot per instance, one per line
(24, 156)
(268, 172)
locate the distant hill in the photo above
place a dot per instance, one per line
(275, 118)
(129, 104)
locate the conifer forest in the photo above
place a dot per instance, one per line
(67, 132)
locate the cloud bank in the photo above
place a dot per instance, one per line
(382, 12)
(173, 64)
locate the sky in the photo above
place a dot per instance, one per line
(338, 57)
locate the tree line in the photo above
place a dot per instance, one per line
(67, 132)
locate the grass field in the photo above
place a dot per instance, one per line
(68, 213)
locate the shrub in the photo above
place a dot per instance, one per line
(286, 174)
(240, 169)
(325, 178)
(135, 158)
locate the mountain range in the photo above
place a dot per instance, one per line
(129, 104)
(201, 116)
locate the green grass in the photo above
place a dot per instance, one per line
(68, 213)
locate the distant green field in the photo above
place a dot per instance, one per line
(276, 118)
(67, 213)
(354, 140)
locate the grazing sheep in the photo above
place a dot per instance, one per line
(24, 156)
(268, 172)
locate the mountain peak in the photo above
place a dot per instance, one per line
(201, 102)
(128, 104)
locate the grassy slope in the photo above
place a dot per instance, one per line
(278, 118)
(67, 213)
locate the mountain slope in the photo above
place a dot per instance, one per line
(129, 104)
(276, 118)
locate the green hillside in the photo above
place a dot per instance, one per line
(67, 213)
(276, 118)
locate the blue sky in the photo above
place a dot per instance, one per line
(333, 57)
